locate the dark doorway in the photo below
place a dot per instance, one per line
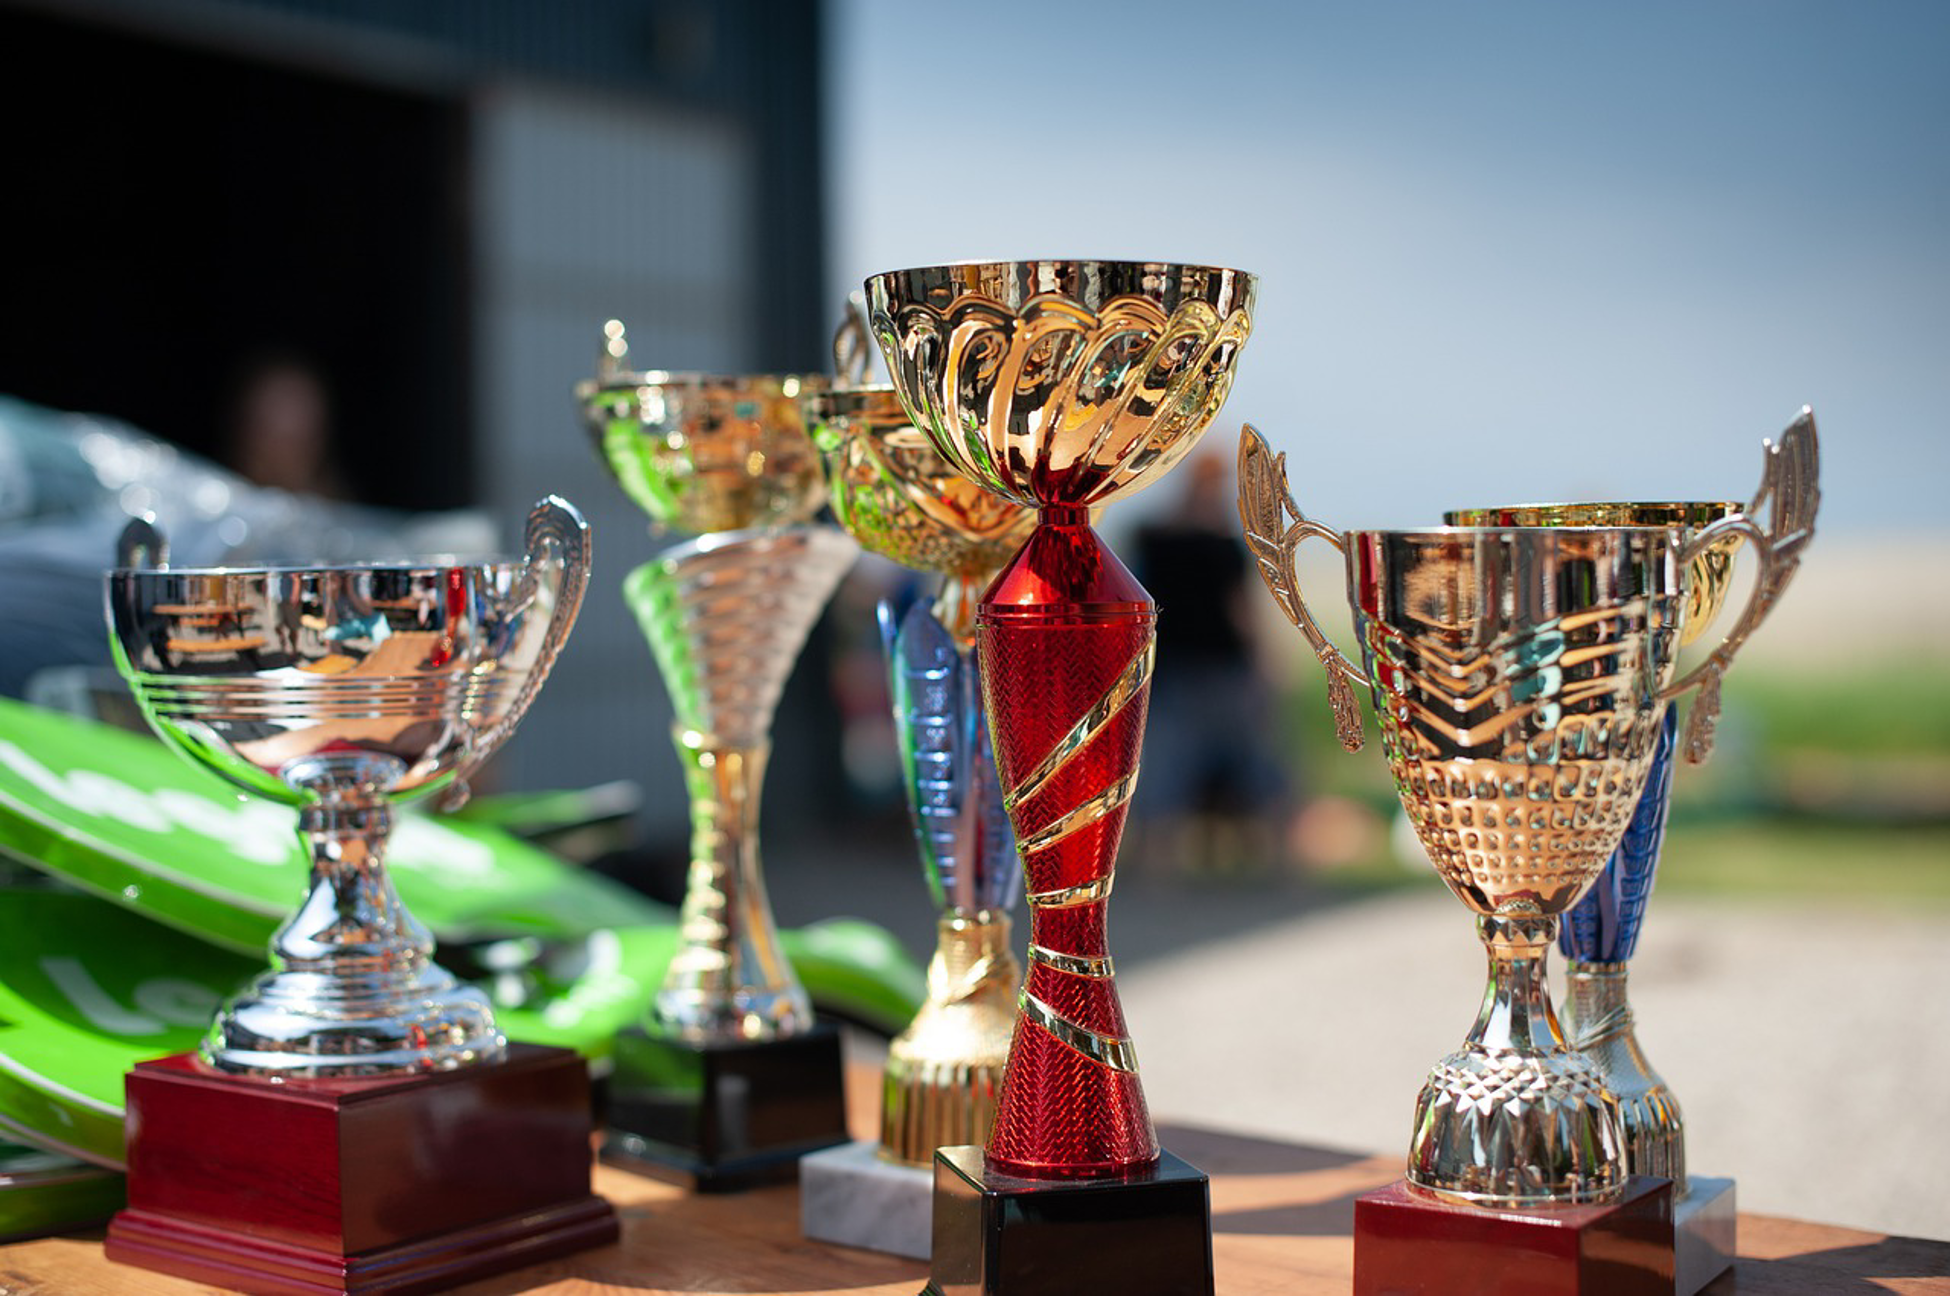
(173, 214)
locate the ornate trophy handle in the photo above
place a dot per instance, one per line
(1779, 523)
(851, 347)
(141, 545)
(554, 526)
(1263, 501)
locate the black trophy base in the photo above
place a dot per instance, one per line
(723, 1118)
(993, 1234)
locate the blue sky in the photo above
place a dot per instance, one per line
(1508, 250)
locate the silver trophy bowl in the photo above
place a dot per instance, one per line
(342, 690)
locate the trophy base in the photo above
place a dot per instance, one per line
(404, 1183)
(724, 1118)
(994, 1234)
(1407, 1241)
(854, 1197)
(1703, 1224)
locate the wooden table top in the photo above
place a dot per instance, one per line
(1282, 1215)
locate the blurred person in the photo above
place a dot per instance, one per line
(280, 432)
(1211, 789)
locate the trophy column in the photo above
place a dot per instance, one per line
(731, 1080)
(1072, 1195)
(901, 499)
(1599, 940)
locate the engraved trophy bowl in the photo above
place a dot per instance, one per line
(1062, 385)
(343, 690)
(703, 453)
(892, 490)
(1602, 931)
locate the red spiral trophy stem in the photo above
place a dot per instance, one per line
(1066, 645)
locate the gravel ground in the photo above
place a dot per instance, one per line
(1810, 1048)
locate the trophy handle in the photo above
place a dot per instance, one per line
(554, 526)
(1263, 500)
(1779, 523)
(850, 347)
(141, 544)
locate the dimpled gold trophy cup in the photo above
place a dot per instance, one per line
(353, 1120)
(732, 1079)
(1062, 385)
(900, 498)
(1602, 931)
(1520, 677)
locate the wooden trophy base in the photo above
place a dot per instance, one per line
(1407, 1241)
(723, 1118)
(993, 1234)
(402, 1183)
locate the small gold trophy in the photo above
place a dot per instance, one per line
(733, 1079)
(900, 498)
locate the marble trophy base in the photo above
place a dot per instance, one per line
(1703, 1226)
(1407, 1241)
(855, 1197)
(993, 1234)
(391, 1183)
(723, 1118)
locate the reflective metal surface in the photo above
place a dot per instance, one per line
(1062, 382)
(899, 497)
(726, 616)
(896, 494)
(1709, 576)
(1602, 931)
(1063, 385)
(942, 1081)
(703, 453)
(342, 689)
(1516, 675)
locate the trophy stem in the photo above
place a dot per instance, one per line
(1066, 646)
(942, 1081)
(352, 990)
(1516, 1118)
(957, 607)
(1517, 1015)
(1600, 1016)
(729, 982)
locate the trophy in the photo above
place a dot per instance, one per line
(353, 1120)
(732, 1080)
(1603, 928)
(1520, 677)
(900, 498)
(1062, 385)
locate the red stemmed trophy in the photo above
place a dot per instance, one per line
(1063, 385)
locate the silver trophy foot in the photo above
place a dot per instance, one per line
(352, 990)
(1516, 1118)
(1655, 1132)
